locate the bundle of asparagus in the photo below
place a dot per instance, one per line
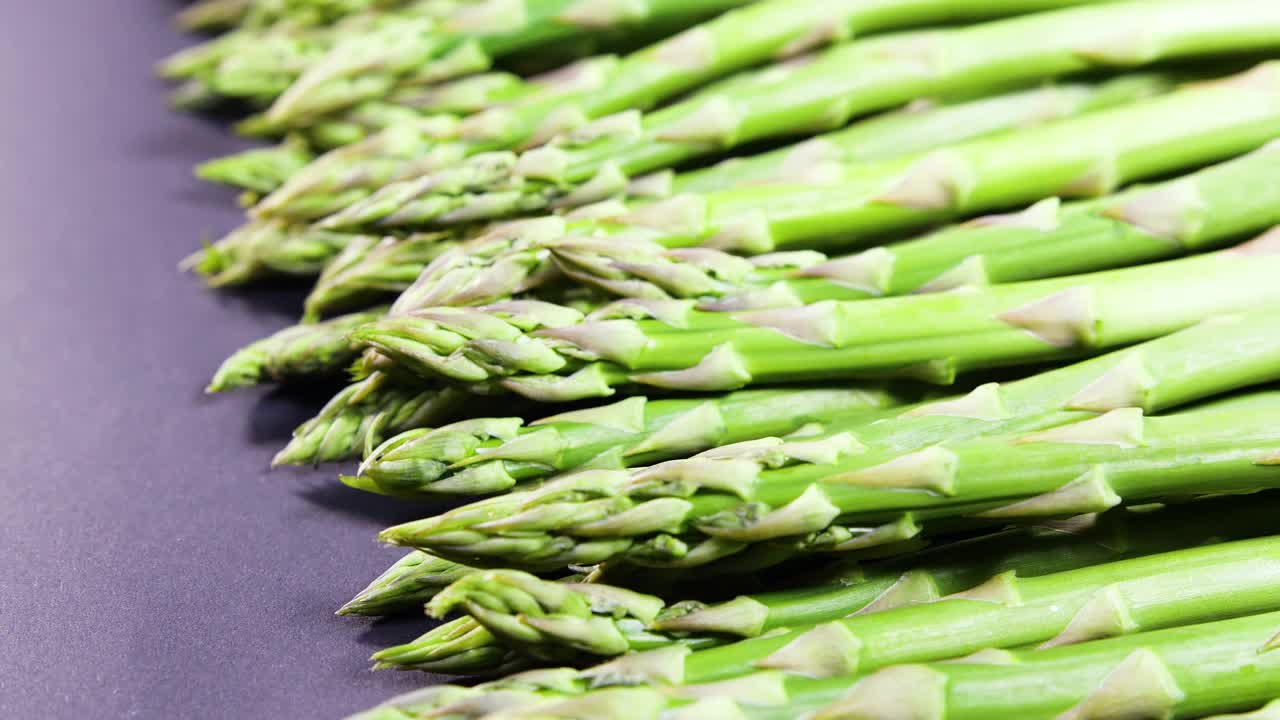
(931, 414)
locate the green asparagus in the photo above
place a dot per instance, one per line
(423, 52)
(266, 249)
(691, 512)
(1191, 213)
(490, 455)
(1181, 671)
(1270, 712)
(410, 582)
(1080, 156)
(601, 88)
(599, 162)
(301, 351)
(1006, 611)
(258, 170)
(369, 268)
(926, 337)
(364, 414)
(562, 615)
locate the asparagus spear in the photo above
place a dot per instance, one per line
(1091, 155)
(1196, 363)
(554, 615)
(880, 138)
(1054, 610)
(1187, 214)
(1049, 609)
(599, 162)
(1270, 712)
(371, 66)
(462, 647)
(301, 351)
(1182, 671)
(206, 15)
(927, 337)
(265, 249)
(600, 87)
(362, 415)
(410, 582)
(369, 268)
(258, 170)
(212, 15)
(494, 454)
(850, 500)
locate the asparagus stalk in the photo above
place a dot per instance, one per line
(490, 455)
(1091, 155)
(384, 141)
(259, 170)
(206, 15)
(1048, 610)
(410, 582)
(599, 162)
(1191, 213)
(364, 414)
(1270, 712)
(461, 647)
(301, 351)
(927, 337)
(676, 496)
(213, 15)
(1182, 671)
(266, 249)
(599, 88)
(561, 616)
(369, 268)
(468, 41)
(884, 137)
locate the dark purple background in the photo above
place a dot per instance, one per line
(151, 565)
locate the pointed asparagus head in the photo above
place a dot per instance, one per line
(417, 460)
(260, 170)
(460, 646)
(527, 611)
(405, 586)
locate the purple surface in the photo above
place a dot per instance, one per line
(151, 566)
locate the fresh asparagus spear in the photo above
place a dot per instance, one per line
(562, 615)
(1080, 156)
(266, 249)
(206, 15)
(213, 15)
(599, 162)
(927, 337)
(369, 268)
(258, 170)
(490, 455)
(1270, 712)
(1129, 597)
(1196, 363)
(600, 87)
(371, 66)
(364, 414)
(1187, 214)
(301, 351)
(462, 647)
(410, 582)
(883, 137)
(1180, 671)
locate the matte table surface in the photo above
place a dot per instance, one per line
(151, 566)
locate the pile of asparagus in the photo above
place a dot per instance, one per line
(826, 359)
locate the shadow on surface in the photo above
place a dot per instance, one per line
(384, 632)
(326, 491)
